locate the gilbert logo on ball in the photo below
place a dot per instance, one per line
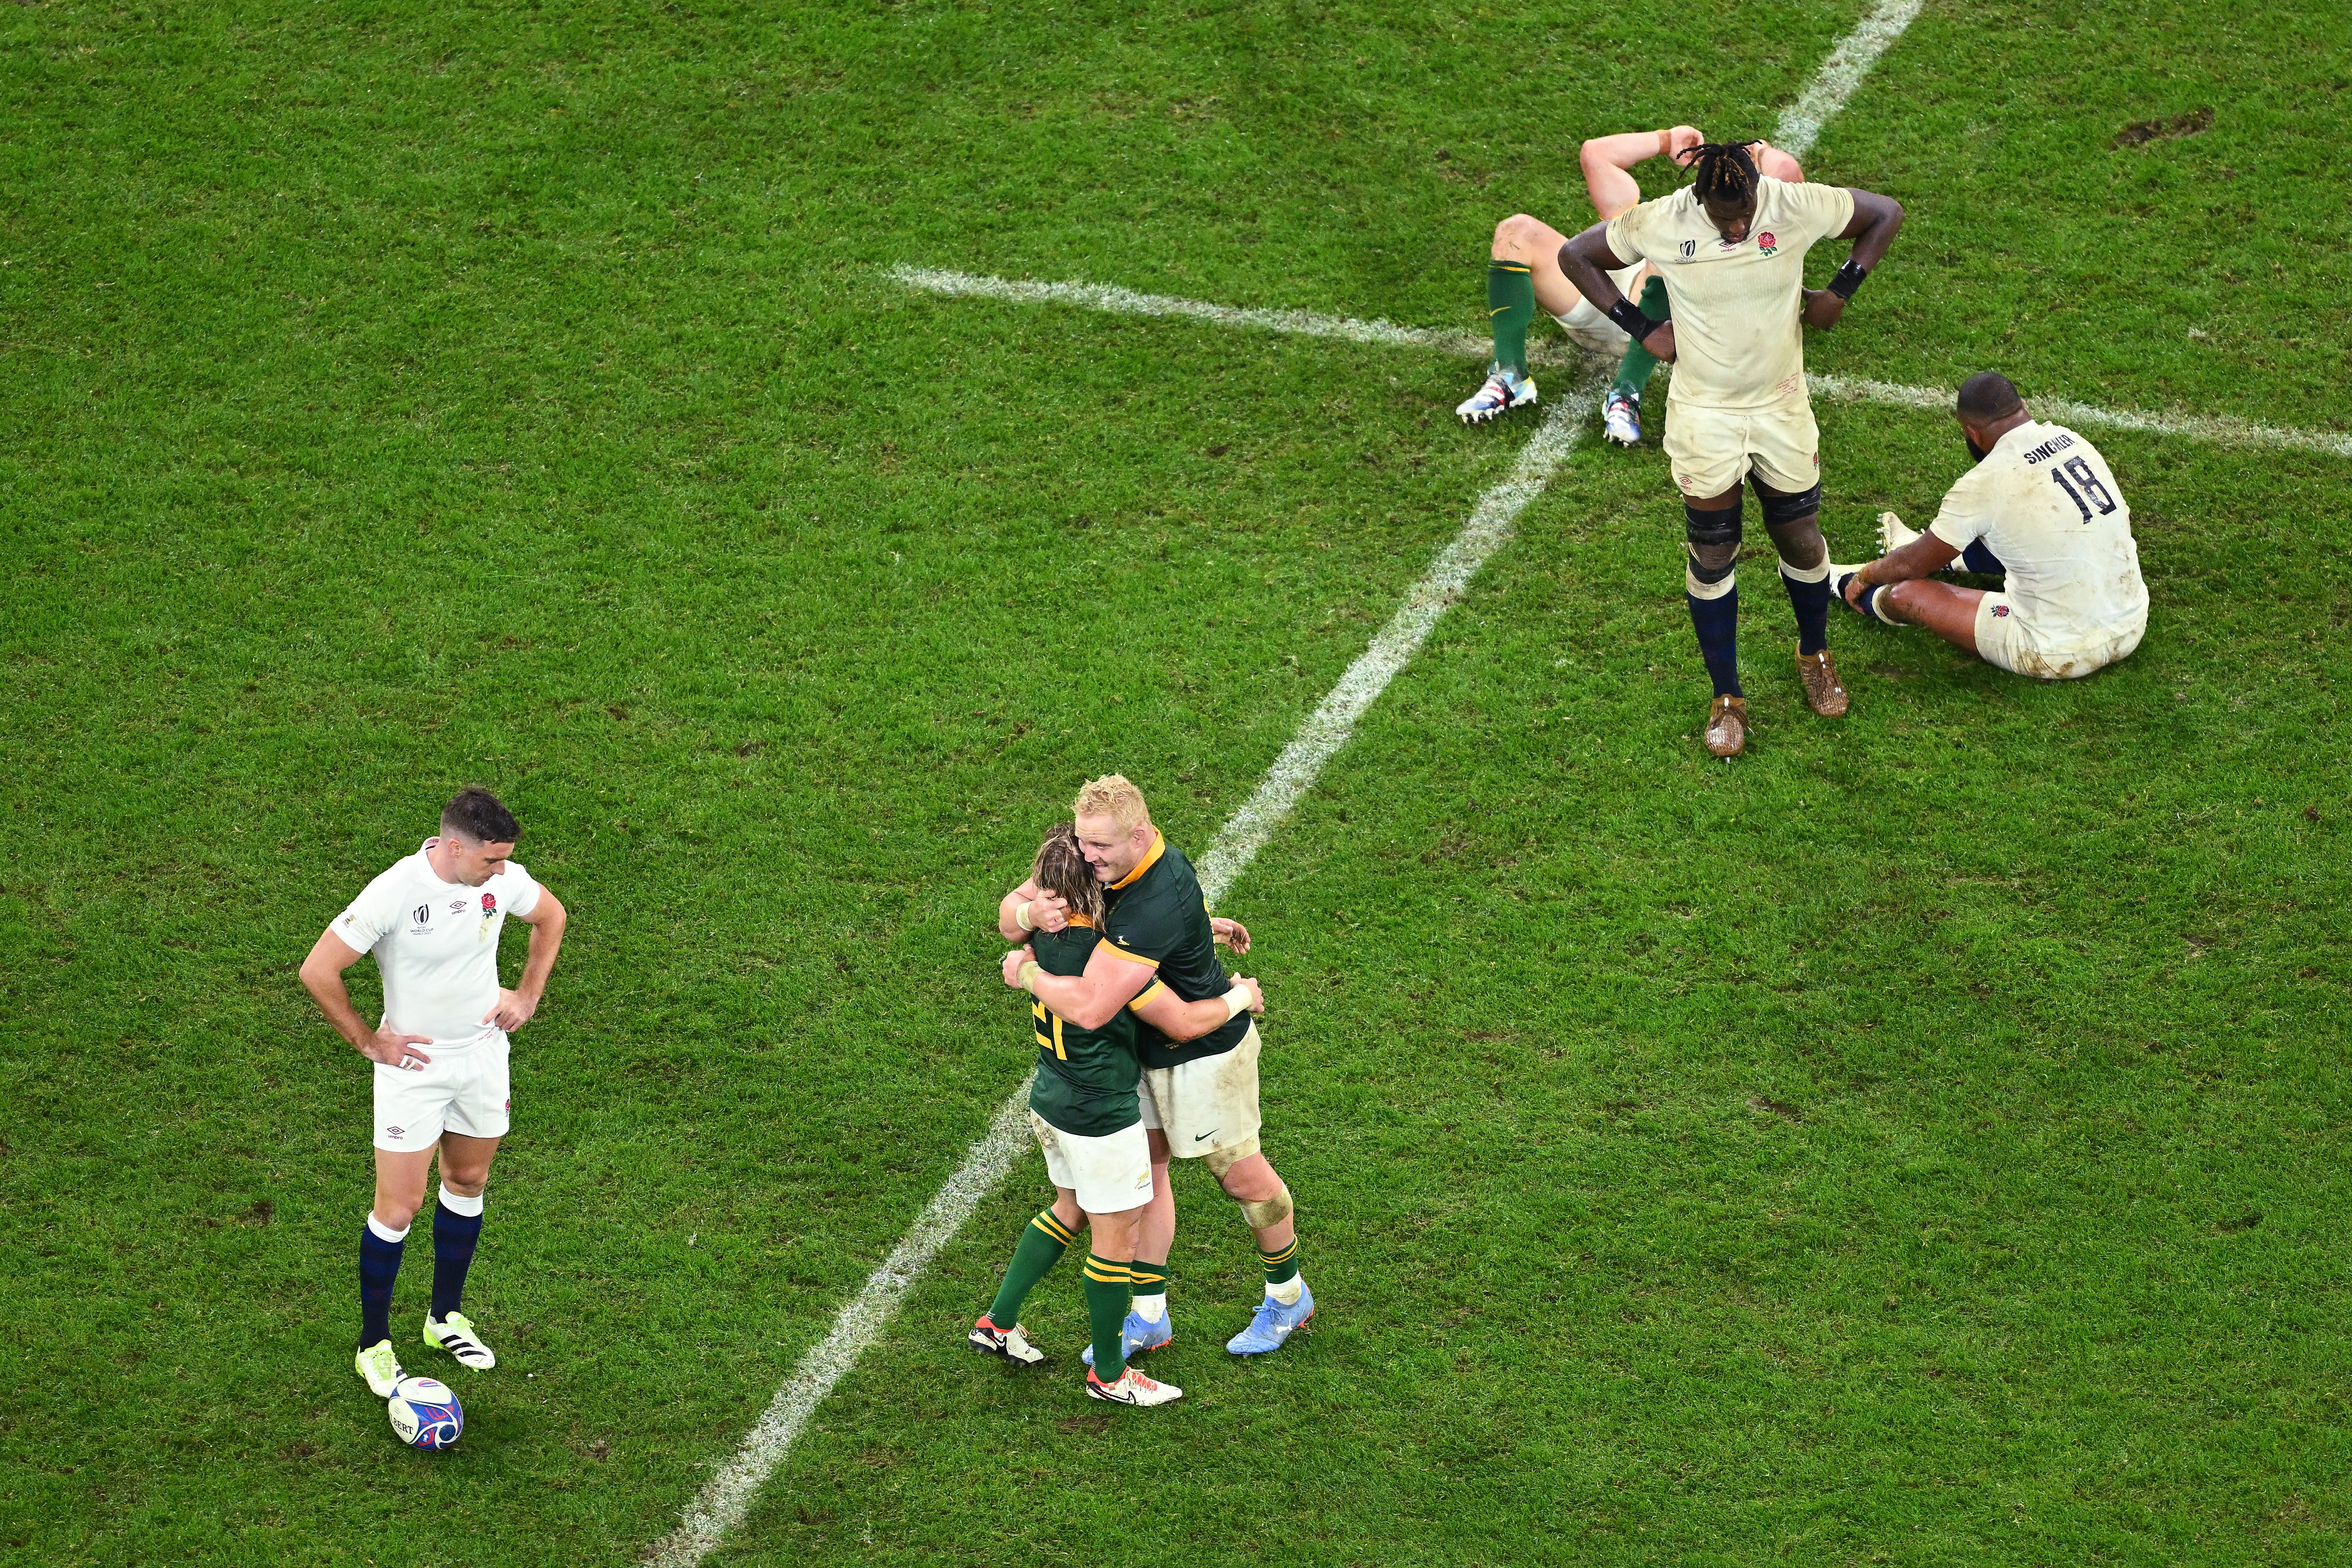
(425, 1413)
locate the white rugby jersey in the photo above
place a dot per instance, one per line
(436, 944)
(1738, 344)
(2046, 503)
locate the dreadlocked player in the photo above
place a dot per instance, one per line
(1731, 249)
(1524, 273)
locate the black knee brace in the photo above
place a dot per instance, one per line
(1783, 510)
(1720, 526)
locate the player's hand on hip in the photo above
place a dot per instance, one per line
(1822, 308)
(1233, 933)
(1661, 341)
(394, 1049)
(1049, 911)
(1013, 960)
(513, 1011)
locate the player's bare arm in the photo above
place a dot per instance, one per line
(546, 919)
(1588, 261)
(1876, 220)
(1183, 1021)
(1091, 999)
(1028, 908)
(1923, 557)
(322, 977)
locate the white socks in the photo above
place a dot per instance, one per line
(471, 1208)
(383, 1232)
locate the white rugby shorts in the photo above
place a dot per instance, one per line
(1111, 1174)
(1713, 450)
(462, 1090)
(2006, 639)
(1205, 1104)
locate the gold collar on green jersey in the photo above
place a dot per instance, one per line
(1151, 859)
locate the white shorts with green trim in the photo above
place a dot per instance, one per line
(2007, 641)
(1205, 1104)
(1111, 1174)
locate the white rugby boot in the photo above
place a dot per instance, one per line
(1012, 1343)
(455, 1333)
(1891, 535)
(1132, 1388)
(381, 1366)
(1621, 420)
(1504, 390)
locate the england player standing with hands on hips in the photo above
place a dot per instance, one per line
(1731, 249)
(433, 921)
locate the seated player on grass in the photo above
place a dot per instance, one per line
(1524, 272)
(1084, 1109)
(2041, 509)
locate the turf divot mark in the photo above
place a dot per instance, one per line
(726, 1497)
(2218, 429)
(1849, 60)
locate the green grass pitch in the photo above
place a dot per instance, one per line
(1923, 1141)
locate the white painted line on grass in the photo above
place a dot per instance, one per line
(726, 1497)
(1119, 301)
(1328, 728)
(2220, 429)
(1849, 60)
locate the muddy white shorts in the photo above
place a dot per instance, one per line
(462, 1090)
(1206, 1104)
(1111, 1174)
(1712, 450)
(2005, 638)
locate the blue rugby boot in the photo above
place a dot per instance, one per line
(1138, 1334)
(1272, 1324)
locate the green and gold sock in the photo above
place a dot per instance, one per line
(1108, 1286)
(1281, 1265)
(1634, 370)
(1042, 1246)
(1510, 306)
(1150, 1289)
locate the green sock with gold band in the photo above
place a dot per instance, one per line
(1634, 370)
(1108, 1287)
(1150, 1289)
(1510, 306)
(1281, 1265)
(1042, 1246)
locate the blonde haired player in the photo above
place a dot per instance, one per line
(442, 1085)
(1199, 1097)
(2041, 509)
(1524, 273)
(1084, 1107)
(1731, 249)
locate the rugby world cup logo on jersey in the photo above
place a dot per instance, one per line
(423, 926)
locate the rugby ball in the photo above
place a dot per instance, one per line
(425, 1413)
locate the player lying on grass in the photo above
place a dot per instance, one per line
(433, 923)
(1199, 1097)
(1084, 1108)
(1524, 272)
(2041, 509)
(1731, 249)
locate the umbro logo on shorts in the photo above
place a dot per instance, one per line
(396, 1131)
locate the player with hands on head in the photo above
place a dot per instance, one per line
(442, 1080)
(1199, 1097)
(1730, 248)
(1524, 273)
(2041, 510)
(1084, 1108)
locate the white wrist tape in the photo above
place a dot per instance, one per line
(1020, 916)
(1029, 972)
(1237, 1001)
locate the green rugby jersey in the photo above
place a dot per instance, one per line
(1159, 915)
(1086, 1077)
